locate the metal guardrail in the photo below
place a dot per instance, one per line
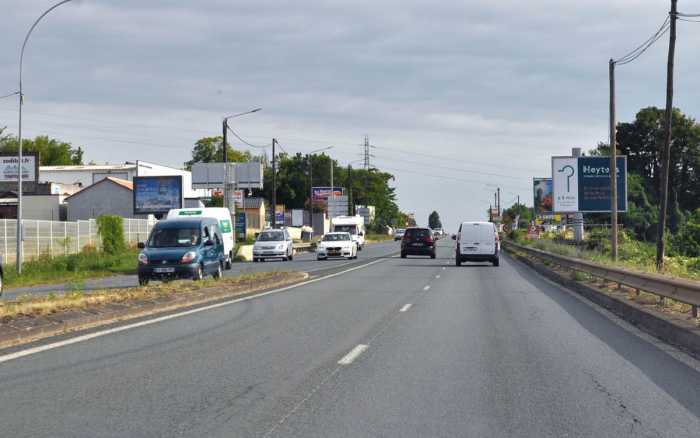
(685, 291)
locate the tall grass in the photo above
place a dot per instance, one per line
(71, 268)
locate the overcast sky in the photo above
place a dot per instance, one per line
(458, 97)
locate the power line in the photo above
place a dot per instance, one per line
(681, 14)
(638, 51)
(10, 95)
(243, 141)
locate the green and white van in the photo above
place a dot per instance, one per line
(225, 224)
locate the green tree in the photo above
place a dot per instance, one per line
(210, 150)
(434, 220)
(52, 152)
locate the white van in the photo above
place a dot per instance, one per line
(477, 242)
(355, 225)
(225, 225)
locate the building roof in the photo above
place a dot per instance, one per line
(122, 182)
(253, 202)
(87, 167)
(118, 181)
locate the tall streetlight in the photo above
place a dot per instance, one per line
(311, 186)
(225, 129)
(19, 136)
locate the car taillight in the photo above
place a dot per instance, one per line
(428, 240)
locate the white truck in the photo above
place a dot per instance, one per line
(355, 225)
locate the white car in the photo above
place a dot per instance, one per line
(273, 244)
(398, 234)
(336, 245)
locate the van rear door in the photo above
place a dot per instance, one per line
(477, 238)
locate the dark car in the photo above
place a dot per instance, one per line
(182, 248)
(418, 241)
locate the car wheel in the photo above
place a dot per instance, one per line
(403, 255)
(143, 281)
(198, 273)
(219, 272)
(458, 261)
(229, 261)
(432, 256)
(255, 259)
(495, 262)
(291, 255)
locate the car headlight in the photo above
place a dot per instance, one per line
(188, 257)
(143, 258)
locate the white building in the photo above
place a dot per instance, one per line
(86, 175)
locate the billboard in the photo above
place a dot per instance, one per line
(157, 194)
(240, 225)
(9, 168)
(542, 192)
(582, 184)
(323, 193)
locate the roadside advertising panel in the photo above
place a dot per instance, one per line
(157, 194)
(542, 192)
(238, 197)
(323, 193)
(9, 168)
(594, 184)
(565, 184)
(582, 184)
(279, 214)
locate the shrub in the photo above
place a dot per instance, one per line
(111, 231)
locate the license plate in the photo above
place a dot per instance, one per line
(417, 244)
(163, 270)
(333, 253)
(268, 252)
(470, 248)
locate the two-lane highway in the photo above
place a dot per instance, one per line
(398, 348)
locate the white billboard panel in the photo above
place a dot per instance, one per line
(248, 175)
(565, 184)
(208, 175)
(9, 168)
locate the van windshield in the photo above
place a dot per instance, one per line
(352, 229)
(335, 237)
(174, 237)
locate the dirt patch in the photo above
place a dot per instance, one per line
(31, 318)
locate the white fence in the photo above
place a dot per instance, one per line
(59, 238)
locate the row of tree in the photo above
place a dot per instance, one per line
(51, 152)
(363, 187)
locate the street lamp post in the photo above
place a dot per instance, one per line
(311, 187)
(224, 129)
(19, 137)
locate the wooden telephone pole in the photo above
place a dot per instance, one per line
(666, 151)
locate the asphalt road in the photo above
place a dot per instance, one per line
(305, 262)
(399, 348)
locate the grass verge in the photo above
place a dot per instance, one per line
(36, 306)
(72, 268)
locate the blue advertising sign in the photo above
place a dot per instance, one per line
(157, 194)
(594, 184)
(240, 225)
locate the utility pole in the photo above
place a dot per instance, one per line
(274, 185)
(613, 165)
(350, 200)
(366, 166)
(225, 159)
(332, 192)
(498, 207)
(666, 152)
(311, 195)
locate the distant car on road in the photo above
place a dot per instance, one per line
(398, 234)
(418, 241)
(336, 245)
(182, 248)
(477, 242)
(273, 244)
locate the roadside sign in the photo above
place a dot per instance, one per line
(238, 197)
(582, 184)
(542, 191)
(240, 225)
(324, 193)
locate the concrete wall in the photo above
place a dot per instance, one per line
(104, 198)
(42, 207)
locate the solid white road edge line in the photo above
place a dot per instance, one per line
(406, 307)
(87, 337)
(353, 354)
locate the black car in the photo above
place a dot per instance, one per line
(418, 241)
